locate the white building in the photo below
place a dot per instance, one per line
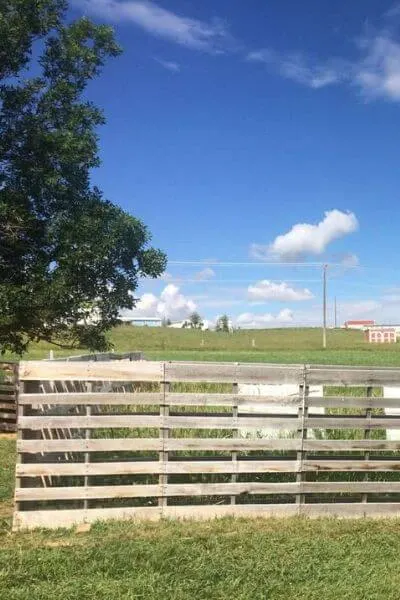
(142, 321)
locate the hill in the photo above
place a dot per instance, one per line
(303, 345)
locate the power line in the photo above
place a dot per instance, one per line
(256, 264)
(181, 280)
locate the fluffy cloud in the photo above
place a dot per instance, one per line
(163, 23)
(306, 239)
(268, 290)
(205, 274)
(375, 71)
(171, 304)
(258, 321)
(379, 73)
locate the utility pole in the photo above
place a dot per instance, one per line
(335, 313)
(324, 307)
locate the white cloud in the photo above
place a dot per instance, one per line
(169, 65)
(163, 23)
(359, 308)
(350, 260)
(167, 276)
(297, 68)
(256, 321)
(378, 74)
(171, 304)
(306, 239)
(205, 274)
(374, 70)
(269, 290)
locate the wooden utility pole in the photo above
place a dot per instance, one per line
(325, 267)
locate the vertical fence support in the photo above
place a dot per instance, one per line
(367, 435)
(87, 456)
(235, 389)
(302, 434)
(163, 455)
(20, 413)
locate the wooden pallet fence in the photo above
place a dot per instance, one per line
(172, 440)
(8, 397)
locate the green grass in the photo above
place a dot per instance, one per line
(7, 475)
(292, 559)
(218, 560)
(271, 345)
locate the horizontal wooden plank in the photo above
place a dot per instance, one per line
(202, 444)
(151, 491)
(100, 399)
(91, 371)
(156, 444)
(206, 422)
(202, 489)
(360, 376)
(352, 402)
(157, 467)
(338, 422)
(152, 398)
(240, 400)
(233, 373)
(83, 445)
(350, 445)
(132, 421)
(351, 465)
(54, 519)
(92, 422)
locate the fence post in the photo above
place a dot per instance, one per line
(20, 413)
(164, 434)
(235, 389)
(302, 434)
(367, 436)
(87, 454)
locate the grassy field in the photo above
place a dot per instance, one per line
(270, 345)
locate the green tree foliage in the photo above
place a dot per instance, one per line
(195, 321)
(223, 324)
(69, 259)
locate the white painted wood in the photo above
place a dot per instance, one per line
(392, 392)
(289, 393)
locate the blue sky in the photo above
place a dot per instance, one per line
(258, 131)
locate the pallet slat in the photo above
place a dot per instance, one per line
(201, 489)
(91, 371)
(132, 421)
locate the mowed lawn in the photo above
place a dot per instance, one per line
(228, 559)
(268, 345)
(225, 559)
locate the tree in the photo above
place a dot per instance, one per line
(223, 324)
(66, 253)
(166, 322)
(195, 321)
